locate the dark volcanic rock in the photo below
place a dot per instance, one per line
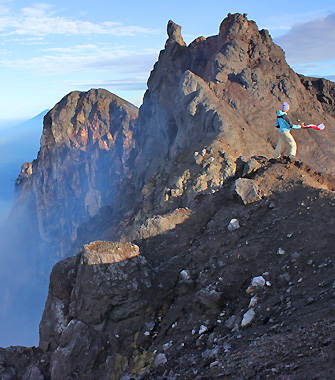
(323, 90)
(85, 148)
(102, 293)
(190, 298)
(181, 306)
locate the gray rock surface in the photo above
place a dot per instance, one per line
(101, 293)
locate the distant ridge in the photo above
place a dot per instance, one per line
(33, 125)
(18, 144)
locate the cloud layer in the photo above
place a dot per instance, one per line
(86, 57)
(41, 20)
(312, 41)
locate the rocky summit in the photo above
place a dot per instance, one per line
(188, 251)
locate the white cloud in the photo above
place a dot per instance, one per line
(125, 84)
(312, 41)
(40, 20)
(85, 57)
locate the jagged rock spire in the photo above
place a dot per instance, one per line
(174, 33)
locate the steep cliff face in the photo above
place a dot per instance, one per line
(230, 85)
(86, 142)
(217, 98)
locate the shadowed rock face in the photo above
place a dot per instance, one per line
(101, 293)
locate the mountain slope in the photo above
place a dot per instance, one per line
(175, 302)
(182, 313)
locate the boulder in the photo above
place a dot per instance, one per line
(78, 350)
(247, 190)
(106, 281)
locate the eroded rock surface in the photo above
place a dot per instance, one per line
(97, 303)
(228, 85)
(86, 142)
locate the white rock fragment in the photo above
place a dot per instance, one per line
(248, 317)
(150, 325)
(280, 251)
(160, 359)
(185, 275)
(253, 302)
(211, 159)
(203, 329)
(196, 154)
(174, 325)
(233, 225)
(147, 333)
(166, 346)
(257, 283)
(203, 152)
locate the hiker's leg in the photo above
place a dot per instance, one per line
(279, 145)
(291, 142)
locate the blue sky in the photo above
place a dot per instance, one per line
(48, 49)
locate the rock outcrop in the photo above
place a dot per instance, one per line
(98, 301)
(206, 104)
(228, 85)
(323, 90)
(86, 143)
(85, 148)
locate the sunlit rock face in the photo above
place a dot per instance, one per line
(86, 143)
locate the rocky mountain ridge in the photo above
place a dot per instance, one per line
(221, 261)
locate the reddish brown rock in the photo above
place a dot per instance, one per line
(86, 142)
(229, 85)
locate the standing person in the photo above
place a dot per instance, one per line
(285, 125)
